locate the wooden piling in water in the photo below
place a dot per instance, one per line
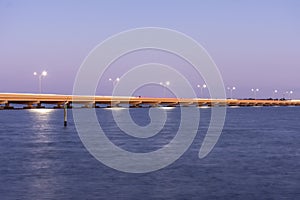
(65, 114)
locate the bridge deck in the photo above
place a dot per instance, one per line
(37, 100)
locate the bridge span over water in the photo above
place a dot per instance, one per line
(10, 100)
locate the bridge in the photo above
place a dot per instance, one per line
(27, 101)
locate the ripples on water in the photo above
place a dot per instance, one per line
(257, 157)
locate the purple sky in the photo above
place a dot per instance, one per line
(255, 44)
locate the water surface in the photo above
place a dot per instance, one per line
(256, 157)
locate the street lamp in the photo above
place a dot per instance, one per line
(231, 90)
(165, 85)
(201, 88)
(114, 82)
(290, 94)
(43, 74)
(274, 93)
(255, 91)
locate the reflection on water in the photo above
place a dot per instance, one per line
(166, 108)
(41, 111)
(41, 114)
(115, 108)
(233, 107)
(41, 124)
(204, 107)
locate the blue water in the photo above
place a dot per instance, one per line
(256, 157)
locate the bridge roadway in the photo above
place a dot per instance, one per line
(8, 100)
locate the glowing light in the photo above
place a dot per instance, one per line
(44, 73)
(203, 86)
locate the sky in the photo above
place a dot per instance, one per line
(255, 44)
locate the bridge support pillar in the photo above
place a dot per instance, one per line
(94, 105)
(8, 106)
(113, 105)
(29, 106)
(59, 106)
(39, 105)
(153, 105)
(69, 105)
(135, 106)
(88, 105)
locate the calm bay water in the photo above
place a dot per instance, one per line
(256, 157)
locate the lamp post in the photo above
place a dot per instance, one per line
(114, 82)
(290, 94)
(231, 90)
(201, 89)
(43, 74)
(255, 91)
(274, 93)
(165, 85)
